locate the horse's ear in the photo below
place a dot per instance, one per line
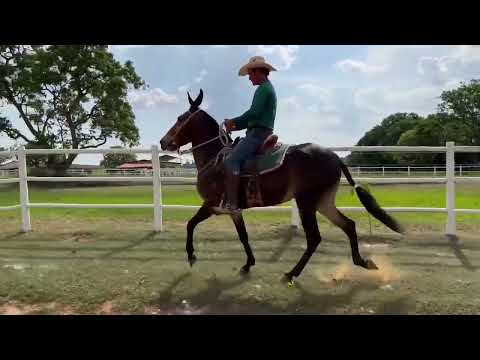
(189, 99)
(199, 99)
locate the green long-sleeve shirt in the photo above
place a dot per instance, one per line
(263, 110)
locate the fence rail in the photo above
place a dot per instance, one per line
(157, 175)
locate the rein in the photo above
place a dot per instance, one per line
(222, 135)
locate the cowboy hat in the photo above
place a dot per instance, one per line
(254, 63)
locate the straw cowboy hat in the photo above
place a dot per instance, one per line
(254, 63)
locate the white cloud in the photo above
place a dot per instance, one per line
(151, 98)
(290, 103)
(183, 88)
(282, 56)
(220, 46)
(126, 47)
(323, 96)
(202, 75)
(385, 101)
(349, 65)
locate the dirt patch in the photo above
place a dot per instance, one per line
(106, 308)
(23, 309)
(14, 309)
(83, 236)
(348, 272)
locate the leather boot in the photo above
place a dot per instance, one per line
(232, 185)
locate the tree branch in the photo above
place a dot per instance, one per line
(11, 98)
(15, 134)
(71, 126)
(96, 145)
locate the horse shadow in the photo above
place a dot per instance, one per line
(454, 243)
(147, 237)
(213, 301)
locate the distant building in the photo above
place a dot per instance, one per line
(9, 165)
(13, 165)
(166, 161)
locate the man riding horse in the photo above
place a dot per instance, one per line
(258, 120)
(307, 172)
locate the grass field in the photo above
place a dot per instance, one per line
(109, 261)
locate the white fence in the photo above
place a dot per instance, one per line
(383, 171)
(156, 179)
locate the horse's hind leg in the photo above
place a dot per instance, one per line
(243, 235)
(331, 212)
(307, 210)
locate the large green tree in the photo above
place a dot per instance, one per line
(463, 105)
(68, 96)
(387, 133)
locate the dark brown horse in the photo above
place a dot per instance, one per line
(309, 173)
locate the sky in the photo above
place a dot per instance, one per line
(330, 95)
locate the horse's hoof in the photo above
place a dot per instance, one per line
(192, 260)
(289, 280)
(245, 270)
(370, 265)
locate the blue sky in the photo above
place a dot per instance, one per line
(330, 95)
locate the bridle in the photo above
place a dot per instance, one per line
(222, 135)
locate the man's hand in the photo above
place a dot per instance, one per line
(229, 125)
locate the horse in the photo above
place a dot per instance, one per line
(309, 173)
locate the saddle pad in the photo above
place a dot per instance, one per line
(270, 161)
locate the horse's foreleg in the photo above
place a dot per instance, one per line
(243, 235)
(202, 214)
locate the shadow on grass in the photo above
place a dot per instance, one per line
(290, 234)
(212, 300)
(455, 245)
(133, 244)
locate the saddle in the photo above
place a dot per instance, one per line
(269, 157)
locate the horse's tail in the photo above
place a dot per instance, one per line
(369, 202)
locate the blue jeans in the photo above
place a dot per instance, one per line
(246, 149)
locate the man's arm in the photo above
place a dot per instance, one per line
(258, 104)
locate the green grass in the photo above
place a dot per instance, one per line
(414, 195)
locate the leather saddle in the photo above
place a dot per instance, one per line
(268, 157)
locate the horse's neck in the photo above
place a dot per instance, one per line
(206, 153)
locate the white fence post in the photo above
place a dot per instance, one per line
(408, 170)
(383, 170)
(450, 170)
(157, 190)
(23, 187)
(461, 174)
(295, 218)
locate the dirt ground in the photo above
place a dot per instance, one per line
(115, 268)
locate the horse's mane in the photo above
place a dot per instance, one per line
(212, 123)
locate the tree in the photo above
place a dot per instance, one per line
(68, 96)
(435, 130)
(387, 133)
(111, 161)
(463, 104)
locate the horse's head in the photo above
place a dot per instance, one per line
(180, 133)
